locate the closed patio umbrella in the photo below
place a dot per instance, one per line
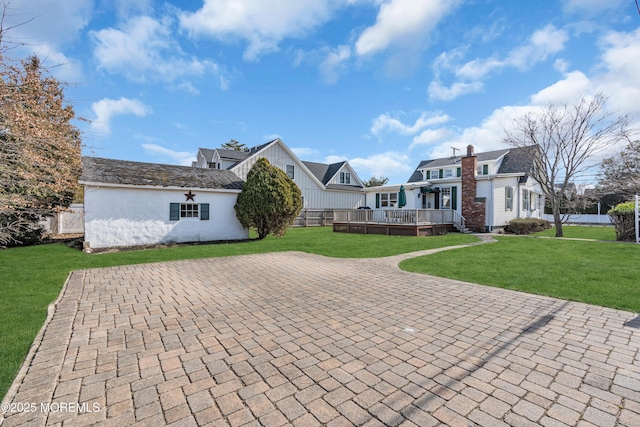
(402, 198)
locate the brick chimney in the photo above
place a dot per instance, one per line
(473, 208)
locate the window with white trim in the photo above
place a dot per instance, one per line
(290, 169)
(178, 211)
(448, 173)
(508, 198)
(483, 169)
(189, 210)
(387, 199)
(445, 198)
(525, 200)
(345, 178)
(533, 199)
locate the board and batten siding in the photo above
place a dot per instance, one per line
(314, 196)
(129, 216)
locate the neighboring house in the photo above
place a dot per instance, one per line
(132, 203)
(323, 186)
(488, 189)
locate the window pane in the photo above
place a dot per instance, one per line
(445, 198)
(290, 171)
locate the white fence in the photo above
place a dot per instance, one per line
(590, 219)
(71, 222)
(396, 216)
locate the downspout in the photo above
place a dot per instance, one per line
(517, 195)
(492, 206)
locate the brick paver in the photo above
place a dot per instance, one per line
(299, 339)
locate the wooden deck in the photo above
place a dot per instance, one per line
(394, 229)
(397, 222)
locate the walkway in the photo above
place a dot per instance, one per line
(298, 339)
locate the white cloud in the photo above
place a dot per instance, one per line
(127, 8)
(390, 163)
(271, 137)
(334, 63)
(594, 7)
(183, 158)
(619, 68)
(386, 123)
(563, 91)
(45, 26)
(542, 44)
(305, 153)
(404, 23)
(52, 21)
(105, 109)
(263, 24)
(430, 136)
(440, 92)
(478, 68)
(144, 49)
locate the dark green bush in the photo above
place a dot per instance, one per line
(526, 225)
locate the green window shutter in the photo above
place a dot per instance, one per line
(454, 198)
(485, 169)
(458, 172)
(377, 200)
(428, 174)
(204, 211)
(174, 212)
(441, 173)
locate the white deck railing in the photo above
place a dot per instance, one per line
(399, 216)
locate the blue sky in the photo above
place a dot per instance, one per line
(381, 83)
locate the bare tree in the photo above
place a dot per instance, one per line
(620, 176)
(568, 139)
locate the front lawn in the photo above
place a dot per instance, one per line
(600, 273)
(596, 232)
(31, 277)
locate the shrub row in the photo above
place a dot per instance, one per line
(526, 225)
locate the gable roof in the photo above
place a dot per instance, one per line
(124, 172)
(207, 154)
(516, 160)
(323, 171)
(232, 154)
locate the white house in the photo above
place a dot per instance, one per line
(487, 189)
(132, 203)
(323, 186)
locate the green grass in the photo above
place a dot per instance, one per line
(31, 277)
(583, 232)
(601, 273)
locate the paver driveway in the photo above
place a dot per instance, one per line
(298, 339)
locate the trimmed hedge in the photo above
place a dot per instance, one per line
(526, 226)
(623, 217)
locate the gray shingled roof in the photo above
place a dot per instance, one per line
(207, 153)
(343, 187)
(232, 154)
(126, 172)
(517, 160)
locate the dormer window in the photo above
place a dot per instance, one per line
(483, 169)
